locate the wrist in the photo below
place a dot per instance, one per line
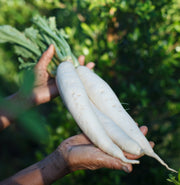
(53, 167)
(71, 158)
(60, 164)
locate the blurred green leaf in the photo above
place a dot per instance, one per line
(34, 126)
(172, 178)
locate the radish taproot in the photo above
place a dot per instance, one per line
(76, 100)
(106, 101)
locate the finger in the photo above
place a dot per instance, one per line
(81, 60)
(132, 156)
(46, 57)
(117, 164)
(144, 129)
(93, 158)
(152, 144)
(90, 65)
(114, 163)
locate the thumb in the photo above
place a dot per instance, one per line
(46, 57)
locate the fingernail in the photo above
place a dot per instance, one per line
(125, 169)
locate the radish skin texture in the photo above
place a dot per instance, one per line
(117, 135)
(107, 102)
(76, 100)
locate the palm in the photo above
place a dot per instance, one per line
(82, 154)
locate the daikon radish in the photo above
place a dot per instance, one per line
(75, 98)
(106, 101)
(117, 135)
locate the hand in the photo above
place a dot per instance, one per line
(45, 87)
(74, 153)
(80, 153)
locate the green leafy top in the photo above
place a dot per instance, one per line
(12, 35)
(30, 44)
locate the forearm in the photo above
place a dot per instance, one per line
(45, 172)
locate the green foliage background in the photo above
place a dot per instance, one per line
(136, 48)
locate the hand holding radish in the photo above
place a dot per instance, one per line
(45, 87)
(72, 154)
(105, 100)
(80, 153)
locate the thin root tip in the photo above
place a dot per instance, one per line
(163, 163)
(172, 170)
